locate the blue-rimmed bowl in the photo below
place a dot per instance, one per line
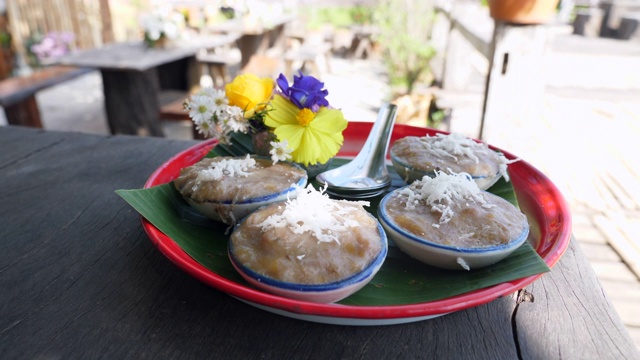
(230, 212)
(317, 293)
(409, 173)
(445, 256)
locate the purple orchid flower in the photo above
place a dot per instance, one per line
(306, 91)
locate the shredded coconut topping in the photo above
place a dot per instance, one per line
(314, 212)
(463, 263)
(502, 167)
(454, 145)
(227, 167)
(442, 192)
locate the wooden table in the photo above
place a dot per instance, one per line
(81, 279)
(134, 75)
(261, 43)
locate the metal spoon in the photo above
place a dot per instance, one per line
(366, 175)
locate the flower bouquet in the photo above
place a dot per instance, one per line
(50, 47)
(290, 122)
(162, 25)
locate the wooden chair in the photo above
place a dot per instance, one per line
(222, 63)
(313, 51)
(18, 94)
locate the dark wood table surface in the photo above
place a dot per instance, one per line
(133, 77)
(79, 278)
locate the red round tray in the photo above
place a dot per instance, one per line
(538, 197)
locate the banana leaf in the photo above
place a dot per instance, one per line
(400, 281)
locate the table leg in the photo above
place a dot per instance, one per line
(249, 46)
(24, 113)
(131, 101)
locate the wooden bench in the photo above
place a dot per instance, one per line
(17, 94)
(222, 64)
(172, 109)
(312, 55)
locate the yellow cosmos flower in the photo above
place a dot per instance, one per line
(250, 93)
(314, 137)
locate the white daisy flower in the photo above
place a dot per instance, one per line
(235, 120)
(219, 97)
(224, 137)
(200, 108)
(207, 129)
(207, 91)
(280, 151)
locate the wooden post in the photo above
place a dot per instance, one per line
(107, 26)
(515, 81)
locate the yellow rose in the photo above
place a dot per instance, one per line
(249, 92)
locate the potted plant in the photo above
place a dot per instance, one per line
(522, 11)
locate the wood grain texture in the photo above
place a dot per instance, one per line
(19, 88)
(80, 279)
(131, 101)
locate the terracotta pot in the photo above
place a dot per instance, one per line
(523, 11)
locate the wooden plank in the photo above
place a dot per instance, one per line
(517, 57)
(563, 317)
(625, 246)
(476, 29)
(118, 296)
(107, 25)
(17, 89)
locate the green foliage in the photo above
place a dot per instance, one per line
(361, 14)
(5, 39)
(337, 16)
(404, 36)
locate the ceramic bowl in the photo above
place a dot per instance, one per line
(316, 293)
(410, 174)
(445, 256)
(230, 212)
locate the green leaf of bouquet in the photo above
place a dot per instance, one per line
(401, 280)
(240, 145)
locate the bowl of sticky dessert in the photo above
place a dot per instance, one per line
(414, 157)
(226, 189)
(310, 248)
(448, 222)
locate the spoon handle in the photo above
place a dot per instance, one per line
(374, 152)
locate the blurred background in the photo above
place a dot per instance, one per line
(556, 83)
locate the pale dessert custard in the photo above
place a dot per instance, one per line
(451, 210)
(308, 240)
(221, 186)
(414, 157)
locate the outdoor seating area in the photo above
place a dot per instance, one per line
(105, 256)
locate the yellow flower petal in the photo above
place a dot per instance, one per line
(313, 142)
(282, 112)
(329, 121)
(291, 133)
(249, 92)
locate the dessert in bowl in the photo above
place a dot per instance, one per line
(448, 222)
(310, 248)
(414, 157)
(226, 189)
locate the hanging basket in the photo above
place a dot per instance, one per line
(523, 11)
